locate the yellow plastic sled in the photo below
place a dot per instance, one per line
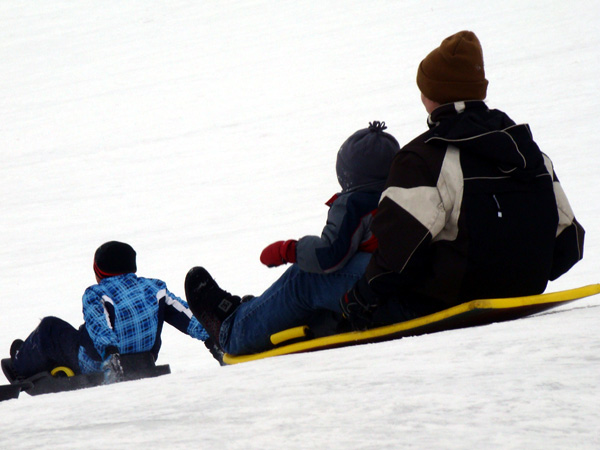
(470, 314)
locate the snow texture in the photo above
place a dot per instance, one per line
(200, 132)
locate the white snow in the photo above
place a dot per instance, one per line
(200, 132)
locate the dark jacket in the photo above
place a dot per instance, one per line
(472, 209)
(346, 232)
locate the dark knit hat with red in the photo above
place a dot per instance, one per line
(454, 71)
(114, 258)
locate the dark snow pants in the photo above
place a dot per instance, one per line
(53, 343)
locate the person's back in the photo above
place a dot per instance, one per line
(472, 208)
(496, 236)
(125, 313)
(132, 305)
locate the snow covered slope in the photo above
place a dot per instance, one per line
(199, 132)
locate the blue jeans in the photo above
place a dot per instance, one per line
(291, 301)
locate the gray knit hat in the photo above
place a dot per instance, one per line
(365, 158)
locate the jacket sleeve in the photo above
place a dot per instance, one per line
(348, 225)
(411, 212)
(99, 313)
(179, 315)
(568, 246)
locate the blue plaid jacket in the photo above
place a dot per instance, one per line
(128, 312)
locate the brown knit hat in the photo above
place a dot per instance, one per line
(454, 71)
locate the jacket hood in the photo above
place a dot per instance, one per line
(490, 134)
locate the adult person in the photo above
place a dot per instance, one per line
(472, 208)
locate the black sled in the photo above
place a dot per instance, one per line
(135, 367)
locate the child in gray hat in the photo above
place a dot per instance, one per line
(323, 267)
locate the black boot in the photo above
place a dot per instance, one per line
(7, 364)
(9, 370)
(15, 347)
(210, 304)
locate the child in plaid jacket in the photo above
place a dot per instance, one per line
(123, 314)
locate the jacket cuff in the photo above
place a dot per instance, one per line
(110, 350)
(288, 251)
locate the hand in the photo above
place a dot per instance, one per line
(278, 253)
(112, 368)
(358, 305)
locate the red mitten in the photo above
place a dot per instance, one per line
(279, 253)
